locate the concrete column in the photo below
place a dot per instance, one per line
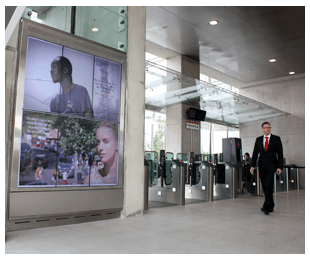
(179, 139)
(134, 114)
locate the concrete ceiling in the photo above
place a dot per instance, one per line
(241, 45)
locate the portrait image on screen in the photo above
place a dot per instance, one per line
(38, 86)
(73, 73)
(58, 79)
(70, 118)
(104, 169)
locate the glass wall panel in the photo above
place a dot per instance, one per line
(233, 132)
(204, 77)
(58, 17)
(205, 137)
(155, 129)
(218, 83)
(103, 24)
(156, 79)
(218, 132)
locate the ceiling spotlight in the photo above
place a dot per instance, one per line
(272, 60)
(292, 72)
(95, 29)
(213, 22)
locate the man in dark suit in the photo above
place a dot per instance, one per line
(269, 148)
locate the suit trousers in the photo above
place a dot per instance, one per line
(267, 179)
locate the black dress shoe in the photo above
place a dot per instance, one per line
(265, 211)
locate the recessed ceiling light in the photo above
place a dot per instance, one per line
(95, 29)
(213, 22)
(292, 72)
(272, 60)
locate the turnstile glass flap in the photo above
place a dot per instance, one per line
(152, 158)
(168, 175)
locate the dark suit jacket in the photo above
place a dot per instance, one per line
(270, 160)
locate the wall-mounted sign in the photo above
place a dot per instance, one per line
(192, 125)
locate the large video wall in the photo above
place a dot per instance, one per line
(70, 119)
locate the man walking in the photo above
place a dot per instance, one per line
(269, 148)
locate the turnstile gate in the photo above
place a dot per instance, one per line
(203, 190)
(280, 181)
(198, 177)
(226, 182)
(288, 179)
(166, 182)
(293, 181)
(174, 192)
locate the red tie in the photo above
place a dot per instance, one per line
(266, 144)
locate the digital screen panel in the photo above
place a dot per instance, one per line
(38, 156)
(192, 113)
(70, 120)
(106, 93)
(201, 115)
(104, 167)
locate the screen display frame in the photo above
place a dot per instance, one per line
(196, 114)
(192, 113)
(51, 35)
(201, 115)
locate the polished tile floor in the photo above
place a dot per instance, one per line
(234, 226)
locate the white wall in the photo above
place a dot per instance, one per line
(288, 96)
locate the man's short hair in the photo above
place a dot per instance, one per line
(247, 154)
(265, 123)
(64, 63)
